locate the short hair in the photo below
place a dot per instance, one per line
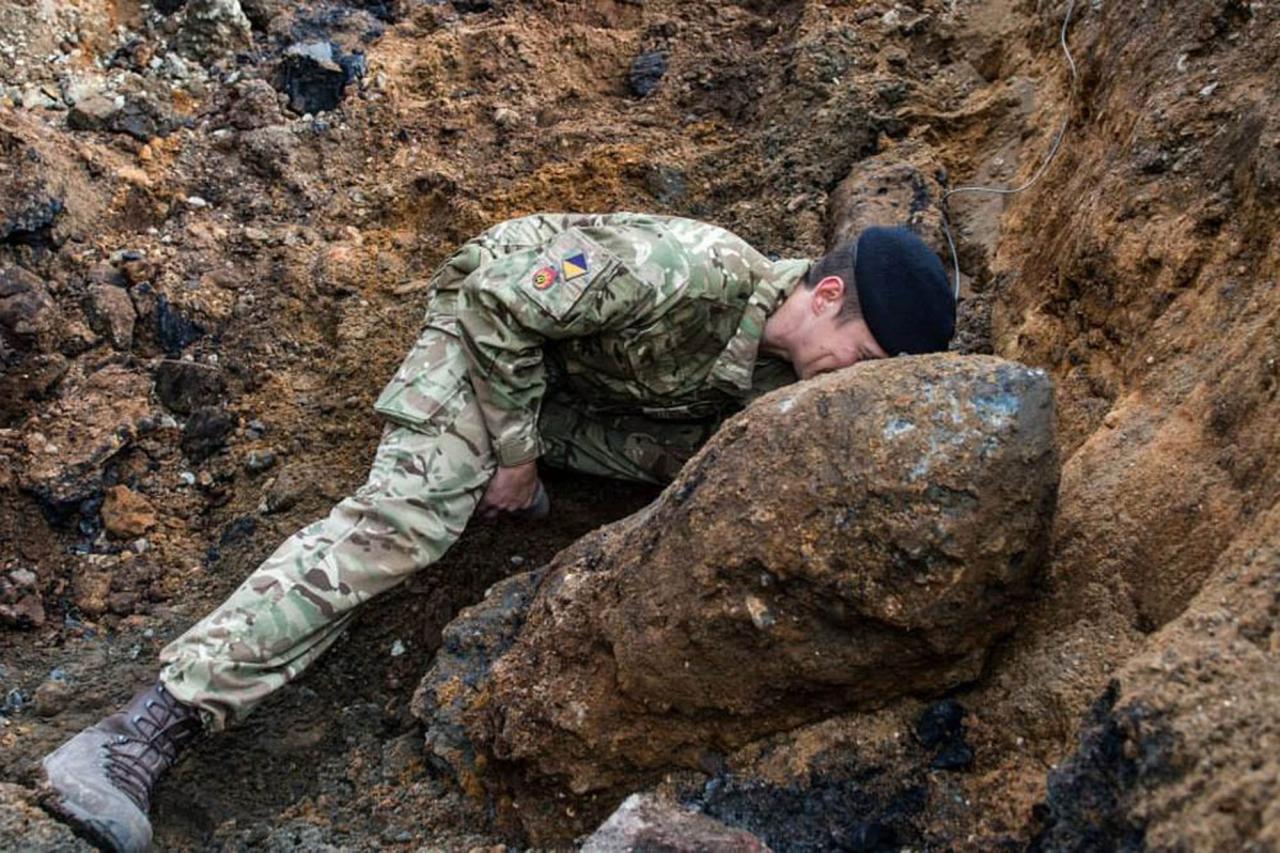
(839, 262)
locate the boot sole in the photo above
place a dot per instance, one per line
(81, 825)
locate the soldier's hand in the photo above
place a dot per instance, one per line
(510, 490)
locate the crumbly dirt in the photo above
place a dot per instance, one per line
(279, 261)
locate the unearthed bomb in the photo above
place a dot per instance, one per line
(845, 541)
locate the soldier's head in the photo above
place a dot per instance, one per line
(883, 294)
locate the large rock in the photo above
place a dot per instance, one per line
(845, 541)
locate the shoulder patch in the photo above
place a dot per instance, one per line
(575, 266)
(564, 271)
(544, 278)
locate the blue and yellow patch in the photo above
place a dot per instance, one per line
(574, 266)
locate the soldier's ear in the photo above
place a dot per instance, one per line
(828, 295)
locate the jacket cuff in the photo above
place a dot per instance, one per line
(518, 450)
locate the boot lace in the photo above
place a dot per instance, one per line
(161, 731)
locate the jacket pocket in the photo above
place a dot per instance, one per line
(426, 391)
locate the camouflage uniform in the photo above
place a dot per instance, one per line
(609, 344)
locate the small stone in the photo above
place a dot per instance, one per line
(214, 28)
(34, 97)
(258, 461)
(137, 271)
(283, 493)
(940, 721)
(188, 478)
(196, 201)
(27, 612)
(184, 386)
(28, 312)
(506, 118)
(649, 822)
(23, 579)
(92, 113)
(174, 331)
(647, 70)
(255, 106)
(126, 514)
(206, 432)
(110, 313)
(401, 755)
(90, 590)
(52, 698)
(142, 119)
(397, 649)
(314, 77)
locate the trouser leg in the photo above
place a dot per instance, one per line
(424, 485)
(625, 447)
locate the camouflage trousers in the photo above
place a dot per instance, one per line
(428, 475)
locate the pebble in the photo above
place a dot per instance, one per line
(647, 70)
(23, 578)
(52, 697)
(196, 201)
(187, 478)
(505, 117)
(259, 461)
(14, 701)
(397, 649)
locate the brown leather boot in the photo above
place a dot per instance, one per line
(100, 781)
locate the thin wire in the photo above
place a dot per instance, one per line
(1053, 152)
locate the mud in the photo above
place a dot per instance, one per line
(285, 254)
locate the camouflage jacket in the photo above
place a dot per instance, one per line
(627, 312)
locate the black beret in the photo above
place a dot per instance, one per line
(903, 291)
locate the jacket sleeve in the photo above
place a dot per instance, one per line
(510, 308)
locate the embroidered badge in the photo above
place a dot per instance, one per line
(544, 278)
(574, 266)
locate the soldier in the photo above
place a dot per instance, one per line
(613, 345)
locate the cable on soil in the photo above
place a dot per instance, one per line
(1053, 152)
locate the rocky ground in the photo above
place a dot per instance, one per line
(216, 219)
